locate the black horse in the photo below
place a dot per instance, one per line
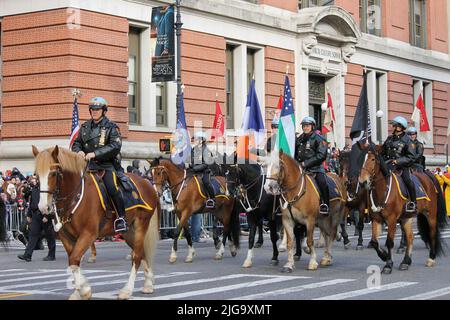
(245, 181)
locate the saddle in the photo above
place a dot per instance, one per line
(219, 190)
(333, 191)
(403, 190)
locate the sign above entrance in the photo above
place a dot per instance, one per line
(326, 52)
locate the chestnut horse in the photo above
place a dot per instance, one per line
(71, 194)
(188, 201)
(387, 204)
(300, 204)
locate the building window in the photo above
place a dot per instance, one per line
(426, 89)
(370, 16)
(314, 3)
(133, 75)
(417, 23)
(250, 66)
(229, 79)
(377, 98)
(161, 104)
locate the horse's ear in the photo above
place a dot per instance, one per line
(35, 150)
(378, 148)
(55, 153)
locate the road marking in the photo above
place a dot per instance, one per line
(293, 289)
(361, 292)
(67, 273)
(12, 270)
(429, 295)
(13, 295)
(221, 289)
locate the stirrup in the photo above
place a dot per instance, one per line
(323, 209)
(411, 207)
(120, 225)
(210, 203)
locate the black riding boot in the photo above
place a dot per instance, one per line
(324, 194)
(210, 202)
(411, 206)
(120, 225)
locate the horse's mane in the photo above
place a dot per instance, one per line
(68, 160)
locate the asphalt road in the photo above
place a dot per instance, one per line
(208, 279)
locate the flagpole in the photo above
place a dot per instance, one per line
(178, 25)
(215, 131)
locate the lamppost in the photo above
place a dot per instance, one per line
(178, 25)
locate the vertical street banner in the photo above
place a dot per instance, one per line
(163, 44)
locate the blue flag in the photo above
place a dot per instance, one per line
(181, 141)
(252, 122)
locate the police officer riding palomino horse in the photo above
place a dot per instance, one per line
(311, 151)
(99, 142)
(399, 153)
(200, 157)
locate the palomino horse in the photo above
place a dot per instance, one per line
(188, 200)
(301, 205)
(387, 204)
(71, 194)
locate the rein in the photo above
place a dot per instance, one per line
(373, 177)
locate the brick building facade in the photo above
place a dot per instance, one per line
(103, 48)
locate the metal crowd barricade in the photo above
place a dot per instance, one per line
(14, 219)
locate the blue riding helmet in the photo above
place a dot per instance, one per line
(308, 120)
(411, 130)
(200, 135)
(400, 121)
(98, 103)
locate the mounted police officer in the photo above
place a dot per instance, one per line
(419, 162)
(399, 153)
(311, 151)
(100, 142)
(200, 158)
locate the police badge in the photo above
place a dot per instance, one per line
(102, 137)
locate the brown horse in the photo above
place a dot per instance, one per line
(387, 204)
(300, 204)
(188, 201)
(71, 194)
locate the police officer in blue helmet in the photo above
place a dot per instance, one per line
(419, 162)
(399, 153)
(311, 151)
(99, 142)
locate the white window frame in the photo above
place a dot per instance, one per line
(147, 89)
(426, 87)
(374, 76)
(240, 81)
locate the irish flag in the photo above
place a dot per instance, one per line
(286, 125)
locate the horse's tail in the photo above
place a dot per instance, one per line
(235, 226)
(152, 236)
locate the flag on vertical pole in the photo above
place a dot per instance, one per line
(219, 123)
(276, 117)
(420, 115)
(286, 126)
(181, 140)
(252, 129)
(328, 124)
(448, 128)
(75, 125)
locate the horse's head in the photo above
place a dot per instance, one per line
(232, 179)
(159, 174)
(370, 167)
(274, 172)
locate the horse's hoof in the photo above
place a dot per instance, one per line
(286, 270)
(75, 295)
(274, 262)
(258, 245)
(124, 295)
(218, 257)
(359, 247)
(347, 245)
(430, 263)
(247, 264)
(386, 270)
(188, 260)
(313, 266)
(403, 267)
(325, 262)
(297, 257)
(400, 250)
(147, 290)
(233, 253)
(173, 259)
(91, 260)
(87, 295)
(281, 249)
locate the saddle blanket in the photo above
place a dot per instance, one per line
(333, 191)
(420, 192)
(219, 190)
(132, 199)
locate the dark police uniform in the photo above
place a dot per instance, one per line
(105, 141)
(199, 165)
(419, 162)
(401, 148)
(36, 228)
(311, 151)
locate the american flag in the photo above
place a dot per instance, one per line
(75, 125)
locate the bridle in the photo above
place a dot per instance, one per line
(166, 179)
